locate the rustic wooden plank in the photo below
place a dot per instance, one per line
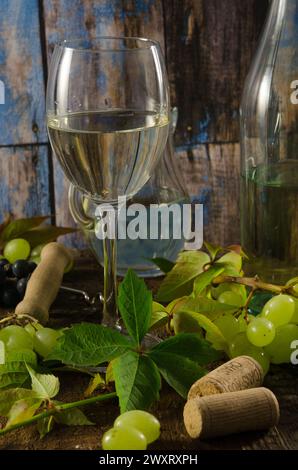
(24, 184)
(209, 45)
(68, 19)
(212, 174)
(22, 114)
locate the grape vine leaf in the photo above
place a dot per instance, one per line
(45, 425)
(179, 360)
(204, 279)
(45, 385)
(10, 396)
(179, 281)
(137, 381)
(212, 249)
(22, 410)
(16, 228)
(87, 344)
(209, 307)
(72, 417)
(45, 234)
(135, 305)
(219, 340)
(96, 382)
(159, 316)
(163, 264)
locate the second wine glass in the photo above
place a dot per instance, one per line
(108, 118)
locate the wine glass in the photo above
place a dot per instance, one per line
(108, 119)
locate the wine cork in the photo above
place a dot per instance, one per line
(45, 282)
(233, 412)
(240, 373)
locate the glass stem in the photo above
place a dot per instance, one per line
(110, 309)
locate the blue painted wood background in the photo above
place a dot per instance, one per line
(208, 45)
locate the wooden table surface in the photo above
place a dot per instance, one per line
(68, 308)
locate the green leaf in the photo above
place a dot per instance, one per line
(179, 281)
(210, 327)
(17, 228)
(212, 249)
(13, 374)
(72, 417)
(45, 385)
(22, 410)
(187, 345)
(209, 307)
(178, 371)
(2, 353)
(22, 355)
(87, 344)
(96, 382)
(10, 396)
(46, 234)
(204, 279)
(45, 425)
(163, 264)
(159, 316)
(135, 305)
(137, 381)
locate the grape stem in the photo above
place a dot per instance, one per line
(57, 409)
(256, 284)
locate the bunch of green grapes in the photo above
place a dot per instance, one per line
(269, 336)
(132, 430)
(33, 337)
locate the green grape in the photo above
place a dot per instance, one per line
(69, 267)
(143, 421)
(233, 259)
(229, 286)
(240, 346)
(279, 310)
(231, 298)
(295, 316)
(45, 341)
(280, 349)
(260, 332)
(228, 325)
(15, 337)
(35, 259)
(124, 438)
(16, 249)
(36, 251)
(31, 328)
(294, 284)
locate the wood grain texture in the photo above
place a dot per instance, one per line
(22, 115)
(212, 175)
(24, 184)
(209, 46)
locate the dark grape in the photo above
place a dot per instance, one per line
(20, 268)
(2, 274)
(31, 266)
(3, 262)
(9, 296)
(8, 269)
(21, 286)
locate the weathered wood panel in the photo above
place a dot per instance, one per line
(212, 175)
(68, 19)
(209, 45)
(22, 114)
(24, 184)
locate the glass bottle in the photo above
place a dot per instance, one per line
(269, 148)
(165, 187)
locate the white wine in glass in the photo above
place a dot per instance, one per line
(108, 119)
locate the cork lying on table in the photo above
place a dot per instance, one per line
(240, 373)
(233, 412)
